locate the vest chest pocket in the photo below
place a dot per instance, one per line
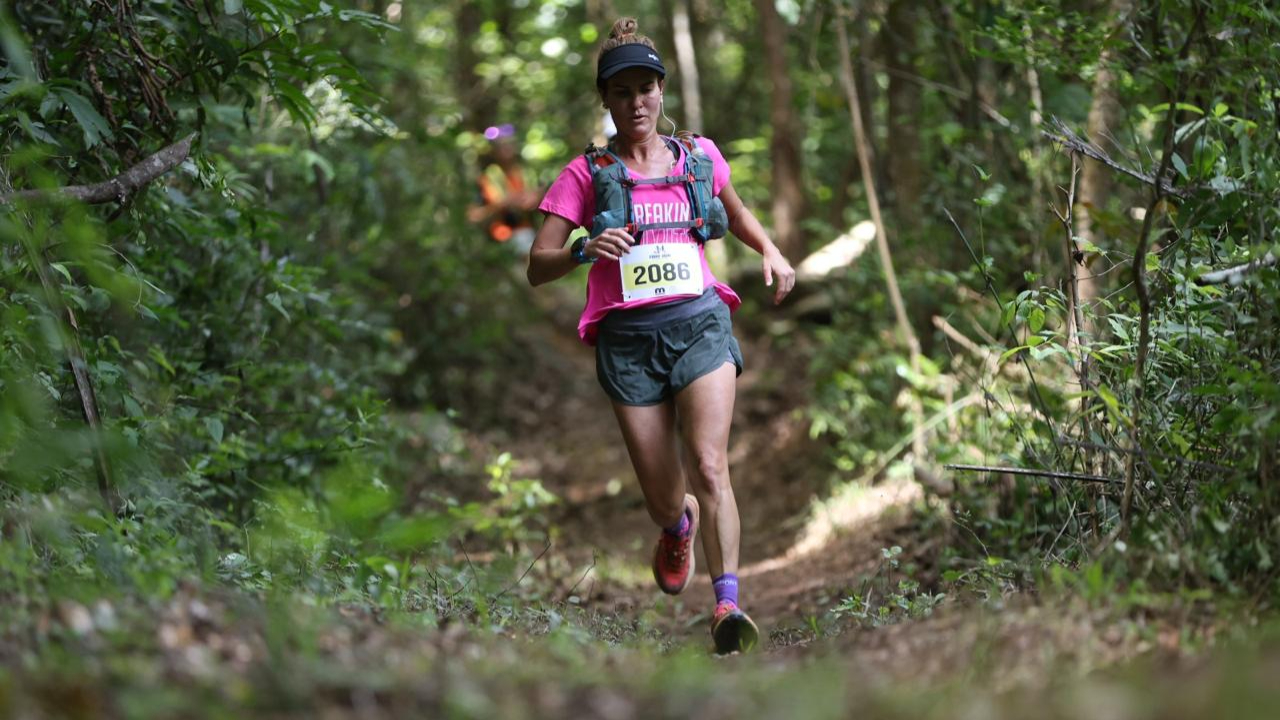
(608, 219)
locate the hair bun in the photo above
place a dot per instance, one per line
(623, 27)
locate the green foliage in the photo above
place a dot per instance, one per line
(1204, 411)
(284, 333)
(244, 320)
(892, 603)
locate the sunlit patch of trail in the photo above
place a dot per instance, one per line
(852, 506)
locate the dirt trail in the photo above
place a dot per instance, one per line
(793, 566)
(797, 562)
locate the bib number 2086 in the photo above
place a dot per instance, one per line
(661, 269)
(655, 274)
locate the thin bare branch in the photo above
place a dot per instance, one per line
(1068, 138)
(1037, 473)
(119, 187)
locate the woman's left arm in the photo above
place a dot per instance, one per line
(748, 229)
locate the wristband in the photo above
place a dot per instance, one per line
(576, 252)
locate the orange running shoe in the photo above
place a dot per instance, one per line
(731, 629)
(673, 556)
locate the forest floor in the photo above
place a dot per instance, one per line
(579, 629)
(811, 538)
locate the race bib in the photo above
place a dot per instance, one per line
(661, 269)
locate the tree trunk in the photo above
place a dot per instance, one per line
(904, 115)
(691, 101)
(478, 109)
(687, 63)
(864, 79)
(862, 141)
(1096, 180)
(788, 192)
(1036, 118)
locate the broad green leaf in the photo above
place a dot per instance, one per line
(157, 355)
(296, 102)
(50, 105)
(14, 49)
(214, 426)
(1006, 317)
(1180, 165)
(1011, 352)
(94, 126)
(1109, 398)
(1035, 320)
(62, 270)
(35, 129)
(132, 408)
(274, 300)
(232, 7)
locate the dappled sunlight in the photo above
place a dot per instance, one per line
(853, 506)
(296, 422)
(837, 254)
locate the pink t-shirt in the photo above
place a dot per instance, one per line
(572, 197)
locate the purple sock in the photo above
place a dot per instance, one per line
(681, 528)
(726, 587)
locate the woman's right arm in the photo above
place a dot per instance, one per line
(548, 258)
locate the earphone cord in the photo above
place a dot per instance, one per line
(663, 108)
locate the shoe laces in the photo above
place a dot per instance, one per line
(724, 607)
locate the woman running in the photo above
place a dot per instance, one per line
(657, 316)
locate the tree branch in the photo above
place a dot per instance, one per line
(1037, 473)
(1068, 138)
(117, 188)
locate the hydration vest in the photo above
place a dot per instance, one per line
(612, 184)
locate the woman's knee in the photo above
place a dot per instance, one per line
(664, 509)
(711, 471)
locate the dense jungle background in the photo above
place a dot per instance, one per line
(283, 433)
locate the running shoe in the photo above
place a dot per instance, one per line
(731, 629)
(673, 556)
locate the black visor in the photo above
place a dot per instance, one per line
(628, 56)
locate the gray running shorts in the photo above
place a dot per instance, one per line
(648, 355)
